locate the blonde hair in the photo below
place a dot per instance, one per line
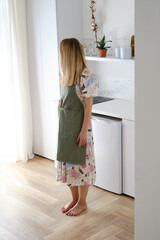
(72, 61)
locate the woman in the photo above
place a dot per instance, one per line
(75, 154)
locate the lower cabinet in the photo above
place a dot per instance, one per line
(128, 156)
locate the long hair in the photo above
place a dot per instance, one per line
(72, 61)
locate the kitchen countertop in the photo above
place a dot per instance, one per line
(115, 108)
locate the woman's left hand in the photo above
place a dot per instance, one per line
(82, 138)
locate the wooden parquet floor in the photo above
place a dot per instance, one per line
(31, 199)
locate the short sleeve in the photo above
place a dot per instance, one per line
(90, 85)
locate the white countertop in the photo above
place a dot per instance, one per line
(115, 108)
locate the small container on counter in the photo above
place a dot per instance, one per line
(125, 52)
(117, 52)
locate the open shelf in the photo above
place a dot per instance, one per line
(109, 59)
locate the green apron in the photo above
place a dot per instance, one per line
(71, 115)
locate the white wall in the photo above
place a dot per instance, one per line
(112, 16)
(116, 17)
(115, 79)
(147, 112)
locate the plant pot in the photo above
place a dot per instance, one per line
(102, 52)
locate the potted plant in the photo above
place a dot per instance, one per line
(102, 48)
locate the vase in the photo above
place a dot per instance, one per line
(102, 52)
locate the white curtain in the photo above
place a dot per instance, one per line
(16, 139)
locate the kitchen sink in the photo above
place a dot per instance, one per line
(100, 99)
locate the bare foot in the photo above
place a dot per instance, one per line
(68, 206)
(77, 209)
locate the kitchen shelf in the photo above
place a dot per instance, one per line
(109, 59)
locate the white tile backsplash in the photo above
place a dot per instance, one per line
(122, 88)
(115, 79)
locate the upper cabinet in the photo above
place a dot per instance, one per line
(69, 19)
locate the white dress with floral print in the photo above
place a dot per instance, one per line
(75, 174)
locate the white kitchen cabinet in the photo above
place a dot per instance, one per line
(48, 22)
(128, 146)
(69, 19)
(43, 72)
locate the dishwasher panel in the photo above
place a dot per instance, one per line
(108, 152)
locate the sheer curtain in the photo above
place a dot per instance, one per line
(16, 139)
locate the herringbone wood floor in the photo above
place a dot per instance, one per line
(30, 202)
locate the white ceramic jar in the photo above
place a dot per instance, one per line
(125, 52)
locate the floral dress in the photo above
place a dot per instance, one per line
(75, 174)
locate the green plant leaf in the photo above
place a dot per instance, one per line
(102, 42)
(109, 41)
